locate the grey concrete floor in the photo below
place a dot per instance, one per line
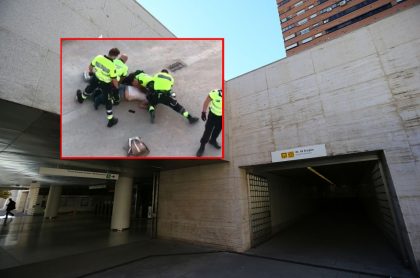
(30, 239)
(83, 246)
(345, 240)
(84, 131)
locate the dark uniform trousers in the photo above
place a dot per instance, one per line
(100, 98)
(107, 90)
(213, 128)
(156, 97)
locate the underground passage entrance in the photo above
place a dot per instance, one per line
(330, 213)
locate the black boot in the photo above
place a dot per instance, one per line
(96, 102)
(200, 150)
(79, 96)
(214, 144)
(192, 119)
(112, 122)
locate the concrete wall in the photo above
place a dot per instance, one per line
(290, 201)
(357, 93)
(205, 204)
(73, 203)
(3, 203)
(30, 41)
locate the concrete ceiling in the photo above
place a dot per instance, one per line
(30, 138)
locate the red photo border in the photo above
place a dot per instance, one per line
(142, 157)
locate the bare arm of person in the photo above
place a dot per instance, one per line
(206, 104)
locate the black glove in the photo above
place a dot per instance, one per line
(203, 116)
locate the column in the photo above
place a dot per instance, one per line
(53, 201)
(32, 198)
(122, 204)
(21, 200)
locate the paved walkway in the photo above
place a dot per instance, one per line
(84, 131)
(83, 246)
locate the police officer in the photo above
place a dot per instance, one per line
(122, 73)
(214, 120)
(144, 82)
(162, 85)
(104, 78)
(130, 78)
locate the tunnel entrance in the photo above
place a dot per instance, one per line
(332, 213)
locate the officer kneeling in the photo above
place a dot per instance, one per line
(104, 76)
(161, 93)
(214, 120)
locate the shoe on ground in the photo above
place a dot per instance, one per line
(215, 144)
(192, 120)
(112, 122)
(200, 151)
(79, 96)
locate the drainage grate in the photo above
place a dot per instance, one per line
(176, 66)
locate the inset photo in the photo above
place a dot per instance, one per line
(142, 98)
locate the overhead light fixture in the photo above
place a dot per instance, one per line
(77, 173)
(320, 175)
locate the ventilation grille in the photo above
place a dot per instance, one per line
(260, 210)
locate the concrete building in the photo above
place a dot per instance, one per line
(353, 210)
(309, 23)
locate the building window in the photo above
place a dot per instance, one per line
(298, 4)
(310, 7)
(326, 10)
(286, 19)
(351, 9)
(304, 31)
(292, 46)
(303, 21)
(300, 12)
(287, 28)
(358, 18)
(307, 40)
(290, 37)
(313, 16)
(282, 3)
(318, 35)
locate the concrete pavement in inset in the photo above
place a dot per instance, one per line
(84, 130)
